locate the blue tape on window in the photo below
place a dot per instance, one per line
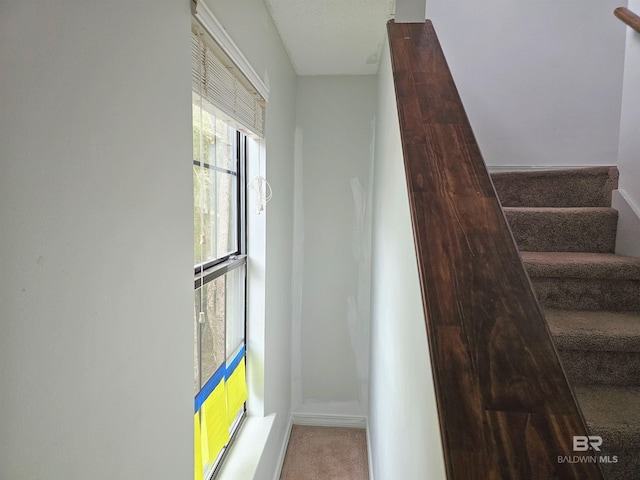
(209, 387)
(234, 363)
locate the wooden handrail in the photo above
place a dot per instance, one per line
(628, 17)
(505, 407)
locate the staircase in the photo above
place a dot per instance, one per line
(565, 228)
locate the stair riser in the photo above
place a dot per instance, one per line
(612, 413)
(601, 368)
(554, 189)
(536, 232)
(627, 467)
(626, 451)
(587, 188)
(628, 464)
(587, 294)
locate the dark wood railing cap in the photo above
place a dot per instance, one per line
(628, 17)
(505, 407)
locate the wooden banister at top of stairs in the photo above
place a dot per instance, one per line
(506, 410)
(628, 17)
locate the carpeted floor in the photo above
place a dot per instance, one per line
(326, 453)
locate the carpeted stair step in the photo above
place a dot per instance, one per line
(613, 413)
(597, 347)
(584, 281)
(584, 187)
(581, 229)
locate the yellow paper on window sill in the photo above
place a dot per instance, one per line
(198, 473)
(214, 423)
(236, 391)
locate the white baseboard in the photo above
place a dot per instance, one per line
(628, 234)
(329, 420)
(283, 450)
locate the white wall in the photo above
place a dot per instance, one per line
(403, 422)
(541, 81)
(251, 28)
(629, 153)
(408, 11)
(96, 295)
(335, 138)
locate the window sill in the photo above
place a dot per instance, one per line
(246, 451)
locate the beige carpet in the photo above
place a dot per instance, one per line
(326, 453)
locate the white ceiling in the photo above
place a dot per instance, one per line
(332, 37)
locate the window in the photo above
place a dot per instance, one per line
(219, 165)
(217, 189)
(220, 279)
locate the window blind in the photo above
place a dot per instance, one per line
(220, 83)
